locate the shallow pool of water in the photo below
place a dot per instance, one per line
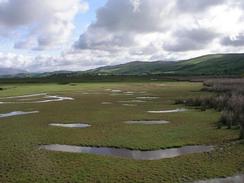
(129, 105)
(45, 99)
(129, 92)
(154, 122)
(53, 99)
(116, 91)
(168, 111)
(74, 125)
(130, 154)
(17, 113)
(132, 101)
(25, 96)
(150, 98)
(234, 179)
(106, 103)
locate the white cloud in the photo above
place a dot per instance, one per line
(176, 29)
(136, 5)
(197, 6)
(48, 23)
(124, 30)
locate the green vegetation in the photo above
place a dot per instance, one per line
(208, 65)
(230, 101)
(20, 136)
(221, 64)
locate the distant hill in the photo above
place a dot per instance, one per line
(24, 74)
(10, 71)
(135, 68)
(219, 64)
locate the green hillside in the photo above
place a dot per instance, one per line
(219, 64)
(135, 68)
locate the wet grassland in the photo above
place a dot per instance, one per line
(107, 108)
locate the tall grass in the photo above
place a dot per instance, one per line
(229, 100)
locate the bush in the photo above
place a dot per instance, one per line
(230, 101)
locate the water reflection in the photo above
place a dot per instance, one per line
(28, 99)
(106, 103)
(130, 154)
(235, 179)
(25, 96)
(53, 99)
(148, 122)
(132, 101)
(147, 98)
(75, 125)
(17, 113)
(168, 111)
(129, 105)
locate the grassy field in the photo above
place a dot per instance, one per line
(20, 136)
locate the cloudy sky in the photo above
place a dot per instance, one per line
(49, 35)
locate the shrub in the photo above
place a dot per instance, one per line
(230, 101)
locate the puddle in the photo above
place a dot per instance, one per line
(138, 101)
(53, 99)
(17, 113)
(28, 99)
(75, 125)
(234, 179)
(45, 99)
(129, 105)
(128, 92)
(133, 101)
(25, 96)
(154, 122)
(147, 98)
(130, 154)
(116, 91)
(106, 103)
(168, 111)
(5, 102)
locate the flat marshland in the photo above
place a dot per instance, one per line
(22, 160)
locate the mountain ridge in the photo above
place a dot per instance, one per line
(212, 64)
(10, 71)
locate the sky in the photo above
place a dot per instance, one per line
(52, 35)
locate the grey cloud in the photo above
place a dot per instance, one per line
(47, 23)
(16, 12)
(118, 23)
(237, 41)
(186, 40)
(124, 30)
(197, 5)
(102, 40)
(119, 15)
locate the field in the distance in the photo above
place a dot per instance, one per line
(22, 161)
